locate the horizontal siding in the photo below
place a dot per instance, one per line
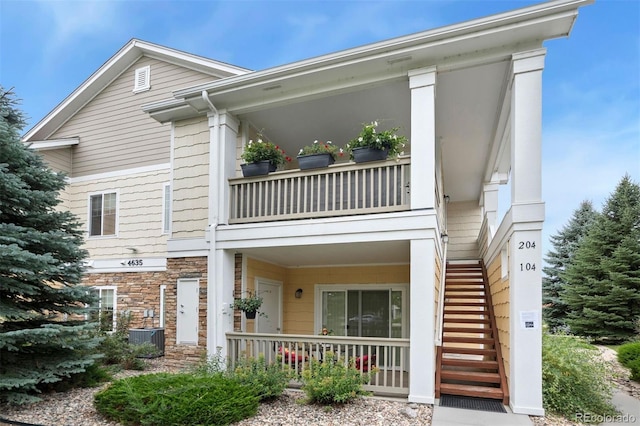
(298, 315)
(58, 160)
(115, 134)
(190, 179)
(501, 305)
(464, 220)
(140, 198)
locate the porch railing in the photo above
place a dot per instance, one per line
(390, 357)
(339, 190)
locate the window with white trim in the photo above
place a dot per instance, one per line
(166, 209)
(142, 77)
(103, 309)
(103, 217)
(363, 310)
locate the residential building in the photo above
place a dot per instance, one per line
(151, 143)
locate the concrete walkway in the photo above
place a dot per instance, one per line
(447, 416)
(629, 409)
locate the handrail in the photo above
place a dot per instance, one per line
(443, 274)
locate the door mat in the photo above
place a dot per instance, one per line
(470, 403)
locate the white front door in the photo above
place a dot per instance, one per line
(187, 315)
(271, 319)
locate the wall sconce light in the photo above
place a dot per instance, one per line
(298, 293)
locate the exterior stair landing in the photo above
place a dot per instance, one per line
(469, 362)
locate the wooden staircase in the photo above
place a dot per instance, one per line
(469, 362)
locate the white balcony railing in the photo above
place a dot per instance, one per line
(339, 190)
(390, 357)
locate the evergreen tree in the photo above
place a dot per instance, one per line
(40, 271)
(565, 244)
(603, 281)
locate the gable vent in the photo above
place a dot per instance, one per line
(141, 79)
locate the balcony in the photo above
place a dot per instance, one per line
(339, 190)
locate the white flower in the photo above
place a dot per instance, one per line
(341, 150)
(403, 145)
(402, 153)
(250, 141)
(375, 124)
(329, 142)
(316, 141)
(300, 153)
(360, 139)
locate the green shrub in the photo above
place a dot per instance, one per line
(267, 381)
(634, 366)
(331, 381)
(628, 353)
(176, 399)
(574, 379)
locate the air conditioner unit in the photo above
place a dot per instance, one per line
(137, 336)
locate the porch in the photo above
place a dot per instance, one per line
(386, 360)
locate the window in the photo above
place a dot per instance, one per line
(102, 214)
(104, 307)
(142, 78)
(363, 311)
(166, 209)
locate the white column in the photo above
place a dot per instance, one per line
(223, 130)
(422, 322)
(490, 206)
(525, 262)
(422, 83)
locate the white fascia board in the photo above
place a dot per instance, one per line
(187, 247)
(466, 30)
(379, 227)
(52, 144)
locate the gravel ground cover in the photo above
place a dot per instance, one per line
(75, 408)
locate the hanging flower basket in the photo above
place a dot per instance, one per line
(250, 315)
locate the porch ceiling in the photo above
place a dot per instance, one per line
(386, 252)
(468, 102)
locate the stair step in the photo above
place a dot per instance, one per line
(460, 339)
(463, 265)
(462, 296)
(468, 390)
(470, 376)
(466, 320)
(464, 290)
(468, 351)
(471, 363)
(465, 312)
(446, 303)
(464, 276)
(467, 330)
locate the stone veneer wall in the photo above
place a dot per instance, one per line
(137, 291)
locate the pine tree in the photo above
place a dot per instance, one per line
(603, 282)
(565, 244)
(40, 271)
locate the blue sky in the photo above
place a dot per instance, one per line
(591, 122)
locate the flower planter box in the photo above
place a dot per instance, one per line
(365, 154)
(315, 161)
(259, 168)
(250, 315)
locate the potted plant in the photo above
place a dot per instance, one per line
(262, 157)
(318, 154)
(371, 145)
(249, 305)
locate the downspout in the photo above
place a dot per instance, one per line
(213, 302)
(443, 274)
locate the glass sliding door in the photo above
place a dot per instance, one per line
(363, 313)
